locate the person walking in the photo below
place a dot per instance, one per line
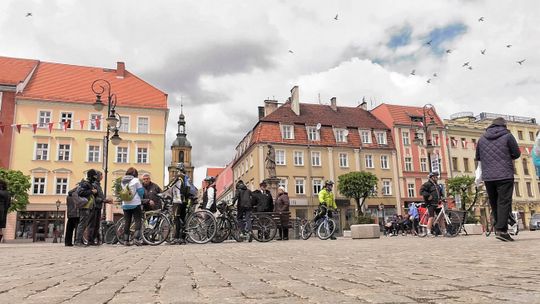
(5, 203)
(73, 219)
(150, 200)
(131, 194)
(496, 150)
(244, 208)
(282, 206)
(86, 190)
(262, 199)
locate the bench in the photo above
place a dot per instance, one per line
(276, 217)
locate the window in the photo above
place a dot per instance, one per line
(453, 142)
(406, 139)
(64, 152)
(283, 183)
(61, 185)
(386, 187)
(466, 167)
(142, 125)
(42, 152)
(520, 135)
(366, 137)
(463, 143)
(316, 158)
(317, 186)
(313, 134)
(280, 157)
(343, 160)
(142, 155)
(298, 158)
(299, 186)
(455, 164)
(251, 161)
(531, 136)
(408, 164)
(95, 122)
(121, 154)
(410, 190)
(516, 189)
(435, 139)
(341, 135)
(423, 164)
(66, 117)
(93, 154)
(39, 185)
(381, 138)
(369, 161)
(529, 189)
(44, 118)
(525, 166)
(124, 124)
(384, 162)
(474, 142)
(287, 132)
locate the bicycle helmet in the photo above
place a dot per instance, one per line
(181, 167)
(432, 174)
(328, 182)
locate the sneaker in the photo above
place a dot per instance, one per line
(333, 238)
(137, 242)
(250, 238)
(79, 245)
(504, 236)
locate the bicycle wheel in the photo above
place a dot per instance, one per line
(422, 230)
(110, 235)
(200, 227)
(223, 230)
(235, 230)
(453, 229)
(326, 229)
(120, 230)
(305, 230)
(263, 228)
(156, 229)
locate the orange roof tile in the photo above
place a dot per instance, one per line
(15, 70)
(71, 83)
(214, 171)
(401, 115)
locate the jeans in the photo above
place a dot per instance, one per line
(71, 228)
(244, 219)
(500, 198)
(84, 218)
(136, 215)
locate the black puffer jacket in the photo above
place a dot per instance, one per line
(496, 150)
(263, 201)
(431, 193)
(243, 197)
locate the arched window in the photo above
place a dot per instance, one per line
(181, 157)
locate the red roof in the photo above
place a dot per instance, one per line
(15, 70)
(214, 171)
(393, 115)
(72, 83)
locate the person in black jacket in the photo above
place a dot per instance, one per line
(244, 198)
(73, 218)
(95, 216)
(262, 199)
(5, 203)
(432, 194)
(88, 191)
(150, 200)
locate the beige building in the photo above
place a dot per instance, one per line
(314, 143)
(463, 131)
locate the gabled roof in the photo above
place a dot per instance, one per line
(15, 70)
(214, 171)
(393, 115)
(72, 83)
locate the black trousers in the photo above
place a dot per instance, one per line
(93, 225)
(134, 214)
(180, 212)
(500, 198)
(71, 226)
(85, 215)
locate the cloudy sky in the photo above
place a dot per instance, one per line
(223, 58)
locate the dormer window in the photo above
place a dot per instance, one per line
(287, 132)
(366, 136)
(381, 138)
(313, 134)
(341, 135)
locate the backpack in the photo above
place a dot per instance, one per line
(126, 194)
(78, 201)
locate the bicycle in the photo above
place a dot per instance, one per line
(324, 227)
(451, 218)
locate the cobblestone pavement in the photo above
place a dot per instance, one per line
(465, 269)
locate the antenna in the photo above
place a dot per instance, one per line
(319, 98)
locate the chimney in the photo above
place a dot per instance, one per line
(363, 105)
(269, 107)
(333, 104)
(120, 69)
(295, 100)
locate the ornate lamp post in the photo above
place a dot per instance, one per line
(99, 87)
(56, 232)
(427, 121)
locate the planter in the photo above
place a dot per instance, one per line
(365, 231)
(346, 233)
(473, 229)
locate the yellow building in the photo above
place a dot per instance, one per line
(314, 143)
(464, 130)
(62, 137)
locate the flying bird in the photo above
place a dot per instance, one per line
(508, 45)
(435, 75)
(470, 68)
(336, 17)
(290, 51)
(413, 72)
(28, 14)
(483, 51)
(429, 80)
(448, 51)
(521, 61)
(465, 64)
(480, 19)
(429, 42)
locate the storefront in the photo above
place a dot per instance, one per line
(39, 226)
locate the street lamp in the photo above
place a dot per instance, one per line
(113, 120)
(427, 121)
(55, 239)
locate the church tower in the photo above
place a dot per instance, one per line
(181, 148)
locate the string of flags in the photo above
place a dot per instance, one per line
(64, 125)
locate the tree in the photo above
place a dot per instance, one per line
(462, 187)
(358, 186)
(18, 185)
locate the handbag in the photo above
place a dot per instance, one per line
(478, 174)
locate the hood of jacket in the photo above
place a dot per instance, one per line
(494, 132)
(242, 187)
(126, 179)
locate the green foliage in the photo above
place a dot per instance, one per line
(364, 219)
(464, 187)
(117, 188)
(18, 185)
(470, 218)
(358, 186)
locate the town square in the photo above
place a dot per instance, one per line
(269, 151)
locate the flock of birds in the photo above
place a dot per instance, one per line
(466, 65)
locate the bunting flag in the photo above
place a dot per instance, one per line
(527, 150)
(34, 128)
(66, 125)
(1, 129)
(18, 128)
(97, 123)
(51, 124)
(81, 122)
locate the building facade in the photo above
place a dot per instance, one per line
(314, 143)
(61, 137)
